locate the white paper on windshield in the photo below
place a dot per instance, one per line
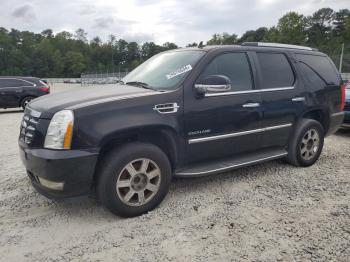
(179, 71)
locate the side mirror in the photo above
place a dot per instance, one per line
(213, 84)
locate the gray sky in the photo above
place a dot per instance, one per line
(177, 21)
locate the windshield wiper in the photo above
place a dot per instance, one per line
(141, 84)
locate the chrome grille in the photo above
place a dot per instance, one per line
(28, 126)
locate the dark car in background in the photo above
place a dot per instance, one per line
(347, 106)
(19, 91)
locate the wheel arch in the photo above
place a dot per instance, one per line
(319, 114)
(163, 137)
(24, 97)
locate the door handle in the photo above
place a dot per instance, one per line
(298, 99)
(251, 105)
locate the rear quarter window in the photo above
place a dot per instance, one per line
(275, 70)
(317, 67)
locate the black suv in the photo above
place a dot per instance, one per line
(19, 91)
(188, 112)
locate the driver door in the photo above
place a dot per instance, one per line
(222, 124)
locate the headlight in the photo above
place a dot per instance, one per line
(60, 131)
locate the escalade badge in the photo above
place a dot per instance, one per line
(199, 132)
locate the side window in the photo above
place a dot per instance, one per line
(8, 82)
(276, 70)
(233, 65)
(311, 76)
(321, 66)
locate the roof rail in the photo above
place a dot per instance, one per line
(263, 44)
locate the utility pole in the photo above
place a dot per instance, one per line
(112, 56)
(341, 58)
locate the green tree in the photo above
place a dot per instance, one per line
(169, 46)
(81, 35)
(194, 44)
(319, 26)
(292, 29)
(74, 63)
(47, 33)
(223, 39)
(254, 35)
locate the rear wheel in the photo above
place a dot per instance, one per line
(134, 179)
(25, 101)
(306, 145)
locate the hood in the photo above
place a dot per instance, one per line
(85, 95)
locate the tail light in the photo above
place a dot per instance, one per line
(45, 89)
(342, 104)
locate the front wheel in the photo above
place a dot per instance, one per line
(134, 179)
(306, 144)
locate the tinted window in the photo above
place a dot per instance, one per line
(7, 82)
(233, 65)
(311, 76)
(276, 70)
(322, 66)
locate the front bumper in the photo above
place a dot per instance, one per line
(73, 169)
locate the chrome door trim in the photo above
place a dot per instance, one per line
(250, 91)
(242, 133)
(298, 99)
(251, 105)
(233, 166)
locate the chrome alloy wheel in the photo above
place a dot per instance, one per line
(138, 182)
(310, 144)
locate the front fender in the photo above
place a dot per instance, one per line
(95, 125)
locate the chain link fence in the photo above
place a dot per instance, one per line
(102, 78)
(345, 76)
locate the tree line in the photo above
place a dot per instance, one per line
(68, 55)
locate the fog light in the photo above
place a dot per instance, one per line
(50, 184)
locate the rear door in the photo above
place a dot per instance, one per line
(11, 91)
(282, 94)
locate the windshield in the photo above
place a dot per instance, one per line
(165, 70)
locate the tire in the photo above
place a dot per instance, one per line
(306, 144)
(25, 101)
(121, 178)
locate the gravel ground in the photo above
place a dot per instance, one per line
(266, 212)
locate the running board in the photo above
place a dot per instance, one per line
(227, 164)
